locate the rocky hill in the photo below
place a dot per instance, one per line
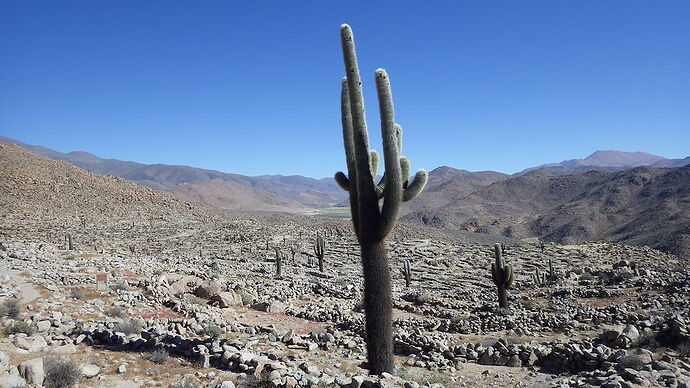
(33, 186)
(303, 191)
(645, 205)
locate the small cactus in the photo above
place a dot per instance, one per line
(320, 250)
(502, 275)
(68, 239)
(538, 277)
(407, 273)
(280, 256)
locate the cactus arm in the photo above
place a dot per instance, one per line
(498, 251)
(404, 170)
(342, 181)
(416, 187)
(392, 195)
(373, 163)
(509, 277)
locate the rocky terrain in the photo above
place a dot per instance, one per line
(112, 284)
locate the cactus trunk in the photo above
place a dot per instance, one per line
(378, 305)
(502, 297)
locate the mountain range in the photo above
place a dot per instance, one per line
(631, 197)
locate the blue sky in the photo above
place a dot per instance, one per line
(253, 87)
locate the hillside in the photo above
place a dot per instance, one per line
(306, 192)
(33, 186)
(645, 205)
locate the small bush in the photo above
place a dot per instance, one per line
(502, 311)
(647, 339)
(684, 348)
(631, 361)
(423, 298)
(115, 312)
(77, 293)
(158, 356)
(213, 331)
(21, 327)
(121, 285)
(130, 326)
(459, 318)
(587, 276)
(529, 304)
(193, 299)
(10, 308)
(60, 372)
(247, 298)
(184, 383)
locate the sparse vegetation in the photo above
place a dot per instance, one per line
(184, 383)
(213, 331)
(77, 293)
(115, 311)
(158, 356)
(21, 327)
(60, 372)
(120, 286)
(10, 308)
(129, 326)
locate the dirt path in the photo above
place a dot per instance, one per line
(27, 290)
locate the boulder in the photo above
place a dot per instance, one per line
(270, 307)
(90, 370)
(209, 289)
(226, 299)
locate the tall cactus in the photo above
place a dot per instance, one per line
(371, 223)
(320, 250)
(502, 275)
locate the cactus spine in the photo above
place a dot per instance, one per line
(320, 250)
(371, 223)
(502, 275)
(407, 273)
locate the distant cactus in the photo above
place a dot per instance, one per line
(538, 277)
(407, 273)
(280, 256)
(68, 240)
(320, 250)
(294, 249)
(502, 275)
(372, 223)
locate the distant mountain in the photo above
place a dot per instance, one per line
(447, 184)
(234, 196)
(643, 205)
(307, 192)
(607, 161)
(672, 162)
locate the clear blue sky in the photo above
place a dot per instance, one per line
(253, 87)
